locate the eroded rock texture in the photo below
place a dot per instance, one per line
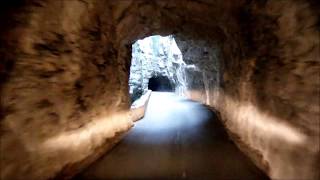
(65, 67)
(203, 69)
(156, 56)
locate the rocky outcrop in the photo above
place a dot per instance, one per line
(156, 56)
(64, 77)
(203, 70)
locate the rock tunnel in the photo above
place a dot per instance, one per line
(65, 69)
(160, 83)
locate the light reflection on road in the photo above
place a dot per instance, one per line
(167, 114)
(177, 138)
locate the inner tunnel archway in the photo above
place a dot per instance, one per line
(160, 83)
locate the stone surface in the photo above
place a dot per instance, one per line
(203, 69)
(156, 56)
(65, 71)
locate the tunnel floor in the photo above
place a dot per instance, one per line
(177, 139)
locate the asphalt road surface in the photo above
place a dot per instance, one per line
(177, 139)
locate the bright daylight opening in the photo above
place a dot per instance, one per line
(156, 65)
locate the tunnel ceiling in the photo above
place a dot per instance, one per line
(65, 70)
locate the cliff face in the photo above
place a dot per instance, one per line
(156, 56)
(65, 71)
(203, 69)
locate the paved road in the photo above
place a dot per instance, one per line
(177, 139)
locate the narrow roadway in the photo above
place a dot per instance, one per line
(176, 139)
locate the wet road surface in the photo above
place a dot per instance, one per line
(177, 139)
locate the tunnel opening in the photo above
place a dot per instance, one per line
(156, 65)
(160, 83)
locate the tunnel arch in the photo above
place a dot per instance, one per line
(160, 83)
(81, 57)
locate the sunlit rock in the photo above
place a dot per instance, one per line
(156, 56)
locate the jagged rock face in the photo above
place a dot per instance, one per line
(64, 77)
(203, 71)
(62, 99)
(155, 56)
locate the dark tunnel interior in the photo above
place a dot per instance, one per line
(248, 69)
(160, 83)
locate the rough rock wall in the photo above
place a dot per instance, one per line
(269, 91)
(203, 71)
(155, 56)
(66, 93)
(275, 107)
(64, 77)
